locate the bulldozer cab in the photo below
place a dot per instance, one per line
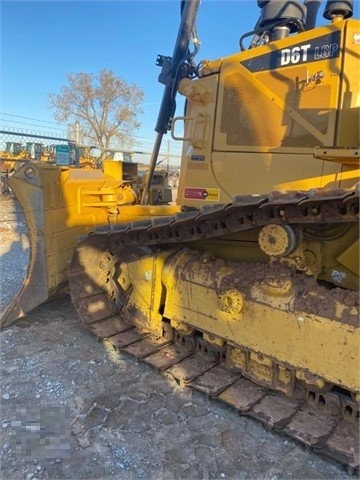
(14, 148)
(34, 150)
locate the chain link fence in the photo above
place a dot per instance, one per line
(19, 147)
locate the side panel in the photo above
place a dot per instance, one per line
(273, 100)
(349, 114)
(266, 110)
(266, 172)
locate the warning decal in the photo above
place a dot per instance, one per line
(209, 194)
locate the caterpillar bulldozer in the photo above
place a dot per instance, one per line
(245, 288)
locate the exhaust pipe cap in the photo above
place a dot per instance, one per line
(342, 9)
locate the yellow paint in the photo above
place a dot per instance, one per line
(268, 324)
(307, 183)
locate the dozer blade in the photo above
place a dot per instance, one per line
(60, 205)
(34, 288)
(51, 244)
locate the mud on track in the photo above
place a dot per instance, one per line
(124, 420)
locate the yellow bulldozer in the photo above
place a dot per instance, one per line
(247, 287)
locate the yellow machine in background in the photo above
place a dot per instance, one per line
(9, 158)
(247, 289)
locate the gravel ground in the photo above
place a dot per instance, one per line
(14, 250)
(74, 409)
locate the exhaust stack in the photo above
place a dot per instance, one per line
(312, 8)
(335, 9)
(281, 18)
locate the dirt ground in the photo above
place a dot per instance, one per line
(72, 408)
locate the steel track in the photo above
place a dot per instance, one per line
(327, 423)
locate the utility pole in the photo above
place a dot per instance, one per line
(168, 157)
(77, 133)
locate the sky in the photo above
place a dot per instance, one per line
(43, 41)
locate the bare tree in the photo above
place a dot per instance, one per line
(105, 106)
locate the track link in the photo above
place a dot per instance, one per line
(327, 423)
